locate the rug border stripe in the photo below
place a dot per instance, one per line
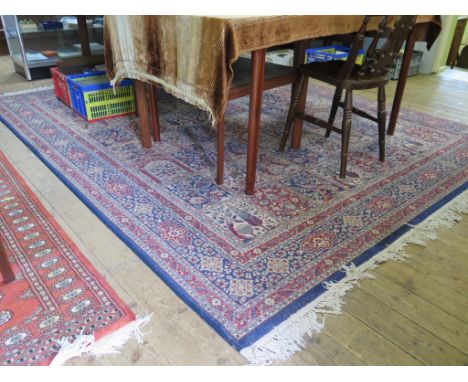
(338, 275)
(279, 317)
(179, 291)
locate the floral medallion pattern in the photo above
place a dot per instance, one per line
(240, 260)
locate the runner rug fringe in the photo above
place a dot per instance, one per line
(27, 91)
(58, 303)
(290, 336)
(85, 345)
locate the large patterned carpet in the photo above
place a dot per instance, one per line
(56, 294)
(246, 263)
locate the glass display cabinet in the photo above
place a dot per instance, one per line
(38, 42)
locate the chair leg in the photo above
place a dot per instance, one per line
(220, 151)
(295, 100)
(298, 124)
(382, 117)
(334, 109)
(346, 131)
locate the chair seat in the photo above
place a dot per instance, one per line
(328, 72)
(275, 76)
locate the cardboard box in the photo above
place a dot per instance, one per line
(281, 57)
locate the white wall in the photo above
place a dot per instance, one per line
(435, 59)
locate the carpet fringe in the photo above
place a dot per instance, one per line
(84, 344)
(291, 335)
(48, 87)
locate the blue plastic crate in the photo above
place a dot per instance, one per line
(331, 53)
(92, 95)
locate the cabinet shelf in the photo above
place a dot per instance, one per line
(34, 51)
(58, 31)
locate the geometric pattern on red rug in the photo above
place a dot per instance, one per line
(245, 263)
(57, 293)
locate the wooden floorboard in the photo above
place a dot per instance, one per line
(366, 343)
(402, 332)
(428, 316)
(412, 313)
(418, 283)
(325, 350)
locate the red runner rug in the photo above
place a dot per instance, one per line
(57, 294)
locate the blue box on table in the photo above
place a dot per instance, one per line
(331, 53)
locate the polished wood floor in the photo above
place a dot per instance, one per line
(413, 313)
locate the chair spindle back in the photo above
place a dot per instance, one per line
(378, 60)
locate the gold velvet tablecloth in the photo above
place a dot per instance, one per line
(191, 56)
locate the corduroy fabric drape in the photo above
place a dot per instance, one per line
(191, 56)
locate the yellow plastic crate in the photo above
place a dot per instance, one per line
(94, 98)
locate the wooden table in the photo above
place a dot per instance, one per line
(149, 121)
(87, 59)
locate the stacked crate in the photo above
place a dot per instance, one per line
(92, 96)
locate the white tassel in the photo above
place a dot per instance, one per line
(284, 340)
(289, 337)
(110, 344)
(333, 299)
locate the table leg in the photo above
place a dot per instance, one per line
(299, 59)
(220, 151)
(5, 267)
(255, 105)
(141, 93)
(154, 112)
(405, 65)
(83, 35)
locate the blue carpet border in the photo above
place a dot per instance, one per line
(275, 320)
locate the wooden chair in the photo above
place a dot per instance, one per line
(5, 267)
(348, 76)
